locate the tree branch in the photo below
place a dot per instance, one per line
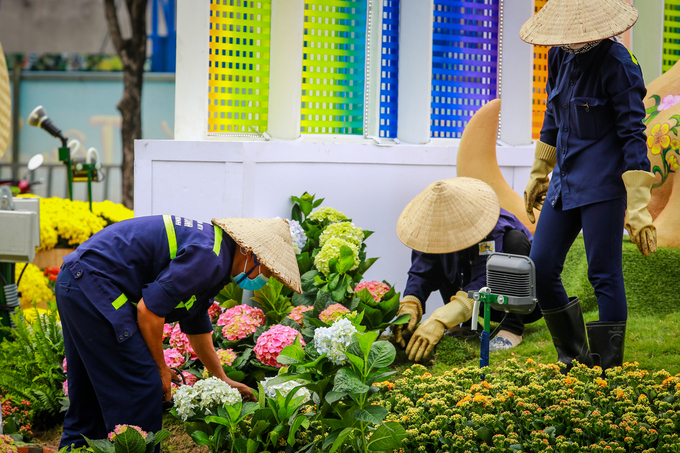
(114, 26)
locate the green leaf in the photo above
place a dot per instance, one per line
(485, 434)
(129, 441)
(299, 420)
(332, 396)
(365, 265)
(371, 414)
(347, 380)
(387, 437)
(382, 354)
(292, 354)
(403, 319)
(340, 439)
(238, 376)
(358, 362)
(372, 316)
(333, 281)
(339, 293)
(100, 445)
(221, 420)
(200, 438)
(366, 341)
(161, 436)
(346, 261)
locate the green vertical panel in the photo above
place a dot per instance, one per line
(239, 65)
(671, 34)
(333, 67)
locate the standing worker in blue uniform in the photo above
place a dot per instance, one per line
(452, 227)
(593, 141)
(119, 288)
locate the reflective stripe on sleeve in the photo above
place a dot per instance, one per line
(217, 246)
(172, 239)
(188, 304)
(119, 302)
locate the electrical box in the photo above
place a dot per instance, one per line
(30, 205)
(17, 236)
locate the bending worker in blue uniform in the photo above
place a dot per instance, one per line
(452, 227)
(594, 143)
(119, 288)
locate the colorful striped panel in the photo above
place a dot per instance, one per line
(389, 69)
(540, 77)
(238, 71)
(333, 67)
(464, 62)
(671, 34)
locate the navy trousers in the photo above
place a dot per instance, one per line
(109, 383)
(602, 225)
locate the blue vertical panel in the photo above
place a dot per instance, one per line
(464, 62)
(389, 69)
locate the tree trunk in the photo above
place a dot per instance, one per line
(132, 52)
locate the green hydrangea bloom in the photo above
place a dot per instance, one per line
(328, 215)
(342, 230)
(330, 250)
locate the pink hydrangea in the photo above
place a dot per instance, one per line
(63, 364)
(377, 289)
(227, 356)
(333, 313)
(64, 387)
(270, 344)
(167, 330)
(669, 101)
(296, 314)
(214, 311)
(120, 429)
(188, 377)
(179, 341)
(173, 358)
(240, 322)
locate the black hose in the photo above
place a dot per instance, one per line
(24, 269)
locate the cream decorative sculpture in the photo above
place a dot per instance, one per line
(663, 149)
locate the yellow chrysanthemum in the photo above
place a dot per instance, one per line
(658, 138)
(33, 286)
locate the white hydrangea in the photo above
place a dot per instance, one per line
(204, 396)
(284, 388)
(334, 340)
(298, 236)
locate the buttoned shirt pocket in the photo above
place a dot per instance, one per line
(593, 119)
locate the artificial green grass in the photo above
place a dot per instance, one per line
(651, 282)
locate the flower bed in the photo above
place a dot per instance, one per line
(534, 408)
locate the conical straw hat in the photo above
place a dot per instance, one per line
(448, 216)
(270, 241)
(563, 22)
(5, 104)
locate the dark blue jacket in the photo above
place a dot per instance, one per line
(594, 117)
(445, 272)
(177, 265)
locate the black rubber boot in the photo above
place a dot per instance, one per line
(569, 334)
(607, 341)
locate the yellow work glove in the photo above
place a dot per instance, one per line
(537, 187)
(638, 219)
(430, 332)
(410, 305)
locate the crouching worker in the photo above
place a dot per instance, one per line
(119, 288)
(453, 226)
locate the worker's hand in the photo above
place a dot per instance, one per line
(425, 339)
(537, 187)
(246, 392)
(167, 377)
(422, 343)
(638, 219)
(410, 305)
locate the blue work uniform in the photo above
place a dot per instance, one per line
(465, 270)
(177, 266)
(594, 118)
